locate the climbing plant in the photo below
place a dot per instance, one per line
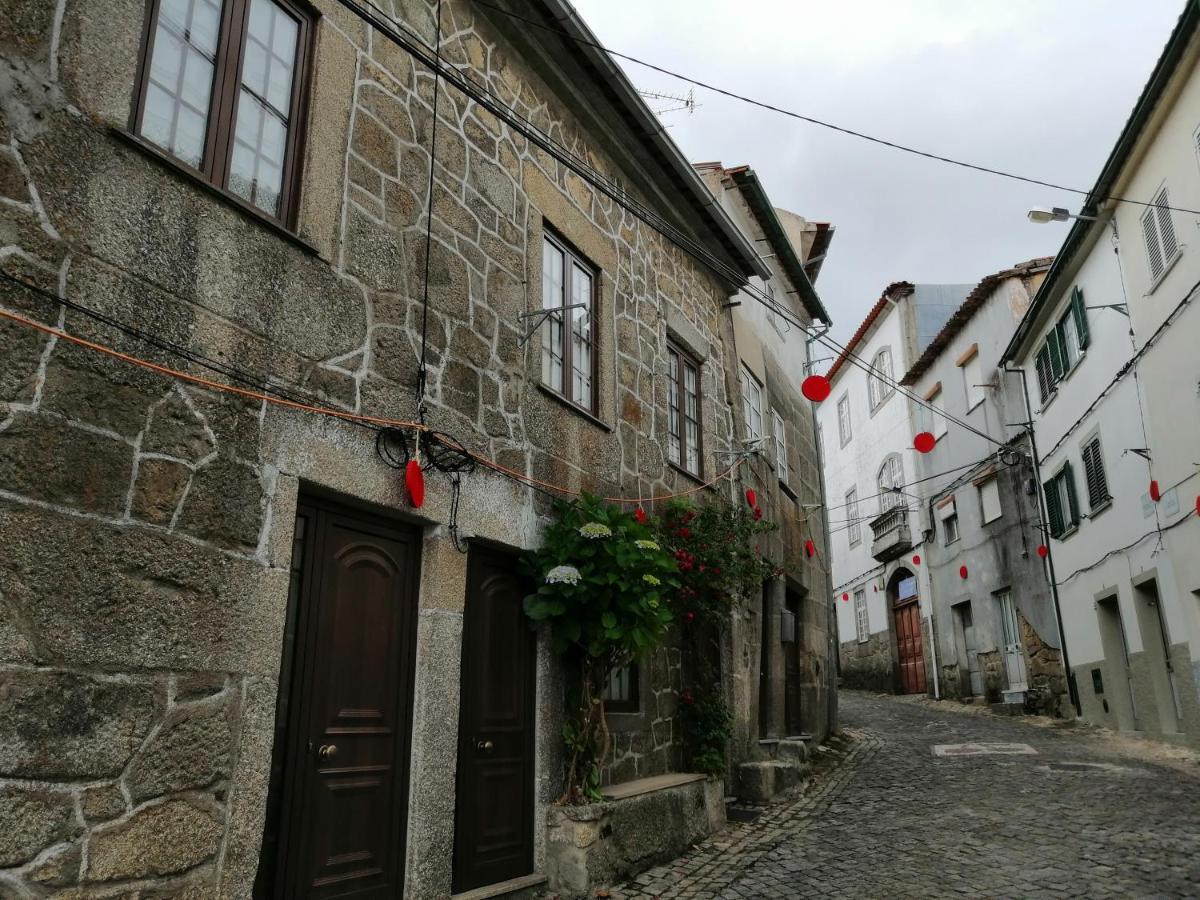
(605, 588)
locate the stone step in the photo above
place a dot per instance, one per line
(526, 887)
(794, 749)
(762, 780)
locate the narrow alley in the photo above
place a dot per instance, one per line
(1049, 812)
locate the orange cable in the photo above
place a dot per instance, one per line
(334, 413)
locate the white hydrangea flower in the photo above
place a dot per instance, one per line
(563, 575)
(648, 545)
(593, 530)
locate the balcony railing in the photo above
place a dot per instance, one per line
(891, 534)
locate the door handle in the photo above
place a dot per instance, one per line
(327, 751)
(484, 746)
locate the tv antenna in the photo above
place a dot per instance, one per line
(681, 102)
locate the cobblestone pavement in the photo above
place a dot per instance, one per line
(1076, 818)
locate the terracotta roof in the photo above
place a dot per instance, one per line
(893, 291)
(966, 311)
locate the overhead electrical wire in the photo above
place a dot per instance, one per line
(925, 154)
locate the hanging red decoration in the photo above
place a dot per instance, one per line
(924, 442)
(845, 598)
(962, 571)
(916, 560)
(876, 587)
(414, 481)
(757, 513)
(1155, 493)
(816, 388)
(809, 547)
(751, 498)
(639, 516)
(1043, 551)
(1198, 505)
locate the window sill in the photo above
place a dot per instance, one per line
(787, 489)
(881, 404)
(1164, 273)
(1100, 507)
(575, 408)
(145, 147)
(609, 711)
(1067, 533)
(691, 476)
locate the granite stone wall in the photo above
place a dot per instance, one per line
(147, 522)
(869, 665)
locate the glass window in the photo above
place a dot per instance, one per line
(683, 410)
(752, 405)
(621, 692)
(879, 383)
(973, 378)
(236, 135)
(891, 484)
(989, 500)
(950, 528)
(844, 430)
(568, 360)
(862, 625)
(853, 529)
(781, 449)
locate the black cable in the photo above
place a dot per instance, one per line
(1129, 546)
(563, 33)
(422, 372)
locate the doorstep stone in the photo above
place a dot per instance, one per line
(522, 888)
(612, 841)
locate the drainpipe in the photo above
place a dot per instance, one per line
(1044, 514)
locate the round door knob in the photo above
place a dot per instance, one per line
(327, 751)
(484, 746)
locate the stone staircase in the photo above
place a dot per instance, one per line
(786, 766)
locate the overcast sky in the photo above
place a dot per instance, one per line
(1038, 88)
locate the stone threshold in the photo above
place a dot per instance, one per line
(641, 786)
(502, 888)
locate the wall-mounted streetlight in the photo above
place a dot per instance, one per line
(1040, 215)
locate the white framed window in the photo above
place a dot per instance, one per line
(1061, 505)
(781, 452)
(752, 405)
(862, 627)
(853, 529)
(938, 402)
(973, 379)
(950, 528)
(1064, 345)
(1158, 232)
(989, 500)
(844, 430)
(879, 383)
(891, 483)
(568, 362)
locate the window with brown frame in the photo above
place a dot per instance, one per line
(221, 91)
(683, 410)
(568, 337)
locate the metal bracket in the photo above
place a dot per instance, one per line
(540, 315)
(1122, 308)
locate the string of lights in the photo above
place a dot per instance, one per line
(850, 132)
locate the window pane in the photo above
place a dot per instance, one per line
(181, 76)
(674, 432)
(581, 337)
(552, 333)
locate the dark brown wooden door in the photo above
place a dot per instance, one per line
(909, 647)
(493, 833)
(791, 666)
(345, 784)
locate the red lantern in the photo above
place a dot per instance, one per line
(816, 388)
(1198, 505)
(1043, 551)
(962, 571)
(1155, 493)
(924, 442)
(751, 498)
(845, 598)
(414, 481)
(916, 560)
(809, 547)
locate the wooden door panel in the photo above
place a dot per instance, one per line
(493, 836)
(909, 649)
(346, 791)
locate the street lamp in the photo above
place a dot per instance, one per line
(1040, 215)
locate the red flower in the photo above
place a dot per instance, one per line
(716, 570)
(639, 515)
(689, 616)
(687, 697)
(757, 513)
(685, 533)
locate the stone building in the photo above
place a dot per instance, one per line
(200, 589)
(994, 615)
(781, 653)
(867, 426)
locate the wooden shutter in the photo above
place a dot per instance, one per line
(1073, 513)
(1081, 323)
(1093, 467)
(1166, 227)
(1153, 248)
(1053, 511)
(1044, 373)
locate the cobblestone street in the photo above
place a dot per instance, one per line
(1073, 814)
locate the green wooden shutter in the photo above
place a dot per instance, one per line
(1044, 373)
(1058, 363)
(1053, 511)
(1081, 323)
(1073, 513)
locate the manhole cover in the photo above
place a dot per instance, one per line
(1090, 768)
(983, 748)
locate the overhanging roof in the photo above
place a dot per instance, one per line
(967, 311)
(1082, 232)
(604, 94)
(756, 198)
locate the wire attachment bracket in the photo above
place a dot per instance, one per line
(539, 316)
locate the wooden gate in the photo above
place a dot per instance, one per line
(907, 617)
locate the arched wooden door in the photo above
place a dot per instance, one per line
(906, 620)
